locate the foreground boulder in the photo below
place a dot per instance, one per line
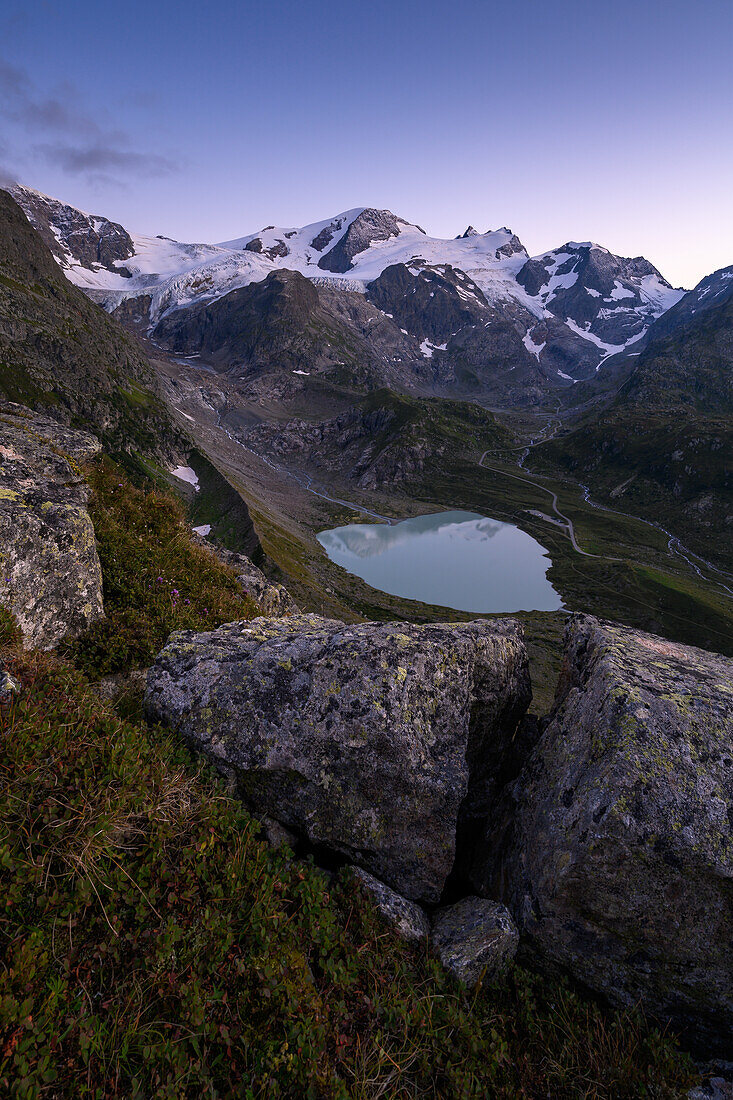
(621, 868)
(476, 939)
(358, 737)
(50, 577)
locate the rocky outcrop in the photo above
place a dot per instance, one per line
(621, 866)
(73, 236)
(361, 738)
(476, 939)
(405, 918)
(274, 599)
(50, 577)
(369, 226)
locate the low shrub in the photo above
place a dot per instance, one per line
(9, 630)
(156, 578)
(153, 946)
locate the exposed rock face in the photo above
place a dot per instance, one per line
(274, 599)
(470, 344)
(385, 440)
(622, 863)
(73, 236)
(371, 225)
(406, 918)
(359, 737)
(476, 939)
(50, 577)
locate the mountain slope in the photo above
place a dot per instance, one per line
(60, 351)
(572, 308)
(662, 447)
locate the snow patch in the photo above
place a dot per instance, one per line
(532, 348)
(185, 473)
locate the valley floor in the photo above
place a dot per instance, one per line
(606, 563)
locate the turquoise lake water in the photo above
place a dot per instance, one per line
(456, 559)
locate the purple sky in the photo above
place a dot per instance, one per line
(565, 121)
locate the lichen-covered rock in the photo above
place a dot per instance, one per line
(274, 600)
(717, 1088)
(50, 577)
(359, 737)
(476, 939)
(406, 918)
(9, 686)
(621, 868)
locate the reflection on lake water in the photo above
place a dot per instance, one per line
(456, 559)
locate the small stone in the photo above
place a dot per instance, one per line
(476, 939)
(9, 686)
(717, 1088)
(277, 835)
(408, 920)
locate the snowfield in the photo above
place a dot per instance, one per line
(174, 274)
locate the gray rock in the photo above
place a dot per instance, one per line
(274, 599)
(476, 939)
(50, 577)
(9, 686)
(368, 226)
(407, 919)
(360, 737)
(717, 1088)
(122, 683)
(621, 867)
(277, 835)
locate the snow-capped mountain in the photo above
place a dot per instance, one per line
(570, 308)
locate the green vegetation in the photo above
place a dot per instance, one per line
(155, 946)
(59, 349)
(156, 579)
(221, 506)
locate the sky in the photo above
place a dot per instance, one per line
(573, 120)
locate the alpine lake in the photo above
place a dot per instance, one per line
(456, 559)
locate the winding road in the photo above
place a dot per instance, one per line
(674, 545)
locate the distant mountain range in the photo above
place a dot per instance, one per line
(473, 315)
(314, 327)
(662, 444)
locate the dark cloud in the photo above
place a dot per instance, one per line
(77, 142)
(103, 158)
